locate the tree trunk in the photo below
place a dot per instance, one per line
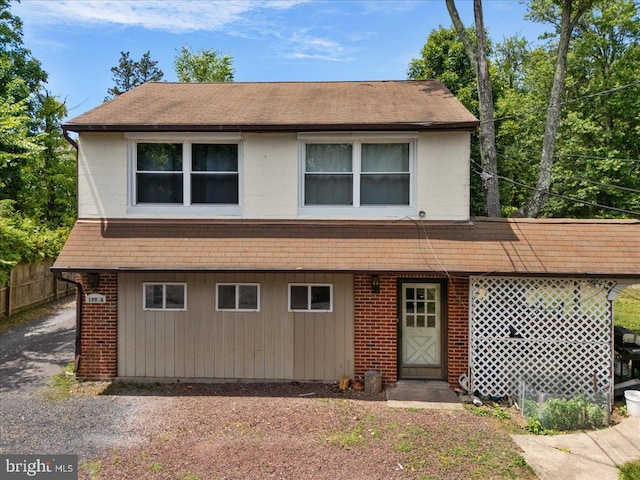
(541, 193)
(478, 58)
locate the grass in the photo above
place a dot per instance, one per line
(630, 471)
(60, 385)
(92, 468)
(626, 309)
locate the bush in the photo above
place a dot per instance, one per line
(22, 240)
(563, 414)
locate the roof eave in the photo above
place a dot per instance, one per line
(409, 126)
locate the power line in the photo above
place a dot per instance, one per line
(566, 102)
(591, 157)
(588, 157)
(626, 189)
(557, 195)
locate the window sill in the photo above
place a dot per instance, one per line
(187, 211)
(348, 211)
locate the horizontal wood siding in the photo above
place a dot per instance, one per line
(272, 344)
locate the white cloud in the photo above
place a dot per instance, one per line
(305, 46)
(172, 16)
(258, 20)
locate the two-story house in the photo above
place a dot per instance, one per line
(303, 231)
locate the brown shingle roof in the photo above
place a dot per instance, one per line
(292, 106)
(506, 246)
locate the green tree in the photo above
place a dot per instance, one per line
(17, 60)
(604, 124)
(53, 170)
(203, 66)
(443, 57)
(599, 120)
(564, 14)
(478, 52)
(130, 73)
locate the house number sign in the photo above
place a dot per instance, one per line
(96, 298)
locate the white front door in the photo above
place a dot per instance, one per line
(421, 331)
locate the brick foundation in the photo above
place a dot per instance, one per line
(375, 325)
(98, 354)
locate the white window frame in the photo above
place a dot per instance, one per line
(237, 297)
(356, 140)
(309, 286)
(186, 208)
(164, 297)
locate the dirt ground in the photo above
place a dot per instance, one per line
(302, 431)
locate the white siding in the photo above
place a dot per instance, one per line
(270, 176)
(202, 343)
(443, 175)
(102, 175)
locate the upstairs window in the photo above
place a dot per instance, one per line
(190, 172)
(384, 174)
(214, 174)
(159, 176)
(357, 174)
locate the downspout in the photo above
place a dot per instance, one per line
(65, 134)
(79, 300)
(79, 293)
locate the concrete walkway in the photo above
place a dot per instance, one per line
(582, 456)
(422, 394)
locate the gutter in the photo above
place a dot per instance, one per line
(65, 134)
(79, 297)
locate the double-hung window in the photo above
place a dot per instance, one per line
(199, 172)
(357, 173)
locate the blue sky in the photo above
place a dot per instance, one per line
(78, 41)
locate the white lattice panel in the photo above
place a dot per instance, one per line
(554, 333)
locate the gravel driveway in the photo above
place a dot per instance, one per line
(234, 430)
(30, 423)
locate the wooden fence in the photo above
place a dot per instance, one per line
(31, 284)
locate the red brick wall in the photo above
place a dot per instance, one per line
(458, 328)
(375, 325)
(99, 330)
